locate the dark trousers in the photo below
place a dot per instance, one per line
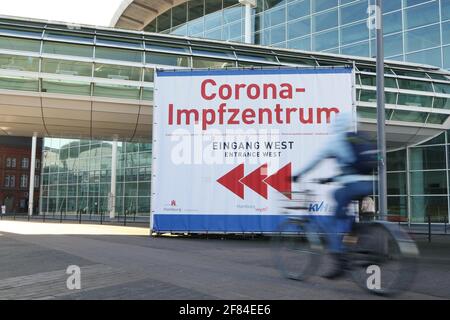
(341, 223)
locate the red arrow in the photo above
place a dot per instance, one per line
(281, 181)
(255, 181)
(231, 181)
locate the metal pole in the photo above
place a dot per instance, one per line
(381, 115)
(32, 174)
(112, 195)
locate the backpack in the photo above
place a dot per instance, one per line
(365, 153)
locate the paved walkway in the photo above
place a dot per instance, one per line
(140, 267)
(36, 228)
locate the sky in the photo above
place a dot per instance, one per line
(92, 12)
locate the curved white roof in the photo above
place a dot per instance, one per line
(136, 14)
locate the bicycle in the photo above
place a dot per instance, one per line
(379, 255)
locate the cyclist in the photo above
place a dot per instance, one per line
(354, 186)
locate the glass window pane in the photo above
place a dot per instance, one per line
(415, 85)
(148, 94)
(409, 116)
(277, 34)
(65, 87)
(68, 49)
(422, 15)
(118, 54)
(67, 67)
(274, 17)
(429, 57)
(179, 14)
(166, 59)
(354, 33)
(398, 206)
(440, 139)
(134, 44)
(423, 38)
(393, 45)
(299, 28)
(117, 72)
(354, 12)
(116, 91)
(445, 9)
(442, 87)
(325, 21)
(20, 44)
(300, 44)
(211, 63)
(427, 158)
(422, 207)
(441, 103)
(232, 14)
(396, 160)
(325, 40)
(17, 83)
(196, 8)
(435, 118)
(396, 183)
(156, 46)
(446, 33)
(20, 63)
(361, 49)
(213, 20)
(415, 100)
(446, 51)
(298, 9)
(428, 182)
(164, 21)
(77, 37)
(149, 74)
(392, 22)
(320, 5)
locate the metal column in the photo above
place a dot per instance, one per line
(32, 174)
(112, 194)
(381, 115)
(249, 5)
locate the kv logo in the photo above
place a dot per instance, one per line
(258, 181)
(74, 280)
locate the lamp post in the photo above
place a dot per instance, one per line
(381, 115)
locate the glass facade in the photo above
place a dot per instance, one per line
(76, 176)
(105, 63)
(414, 31)
(418, 181)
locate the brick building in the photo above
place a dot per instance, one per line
(15, 160)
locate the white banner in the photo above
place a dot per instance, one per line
(225, 143)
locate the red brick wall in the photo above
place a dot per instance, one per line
(14, 195)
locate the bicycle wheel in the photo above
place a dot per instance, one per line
(296, 250)
(382, 258)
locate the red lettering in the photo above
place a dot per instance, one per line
(203, 89)
(327, 111)
(248, 116)
(310, 116)
(228, 94)
(253, 95)
(208, 120)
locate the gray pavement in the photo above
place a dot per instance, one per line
(140, 267)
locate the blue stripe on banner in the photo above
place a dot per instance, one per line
(223, 223)
(227, 72)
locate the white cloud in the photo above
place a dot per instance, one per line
(93, 12)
